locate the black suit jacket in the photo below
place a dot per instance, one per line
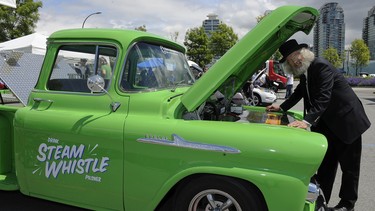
(328, 97)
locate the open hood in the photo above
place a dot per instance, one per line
(236, 66)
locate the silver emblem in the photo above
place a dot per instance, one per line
(178, 141)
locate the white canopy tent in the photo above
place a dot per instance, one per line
(10, 3)
(33, 43)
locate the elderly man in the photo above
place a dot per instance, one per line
(331, 108)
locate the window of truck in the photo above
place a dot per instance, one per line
(151, 67)
(74, 64)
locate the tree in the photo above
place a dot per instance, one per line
(333, 57)
(277, 55)
(20, 21)
(141, 28)
(174, 36)
(360, 54)
(222, 40)
(260, 17)
(196, 43)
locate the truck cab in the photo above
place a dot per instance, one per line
(276, 75)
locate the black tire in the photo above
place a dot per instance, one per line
(221, 193)
(275, 88)
(320, 203)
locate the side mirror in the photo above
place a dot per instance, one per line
(96, 83)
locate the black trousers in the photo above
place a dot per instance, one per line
(349, 158)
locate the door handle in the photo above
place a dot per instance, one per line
(41, 104)
(42, 100)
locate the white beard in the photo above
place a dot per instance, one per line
(303, 69)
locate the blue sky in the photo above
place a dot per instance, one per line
(164, 17)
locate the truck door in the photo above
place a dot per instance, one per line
(69, 140)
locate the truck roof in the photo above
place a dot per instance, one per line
(124, 36)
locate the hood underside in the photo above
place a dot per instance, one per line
(236, 66)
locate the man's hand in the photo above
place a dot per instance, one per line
(273, 108)
(298, 124)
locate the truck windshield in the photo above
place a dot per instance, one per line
(152, 67)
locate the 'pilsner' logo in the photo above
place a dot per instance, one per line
(68, 159)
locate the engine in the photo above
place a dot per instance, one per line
(218, 108)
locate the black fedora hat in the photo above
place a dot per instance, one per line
(289, 47)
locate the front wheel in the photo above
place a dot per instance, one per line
(218, 194)
(255, 100)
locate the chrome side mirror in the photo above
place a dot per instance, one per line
(96, 83)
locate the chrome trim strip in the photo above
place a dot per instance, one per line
(178, 141)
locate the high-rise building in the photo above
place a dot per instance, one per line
(329, 30)
(211, 24)
(368, 32)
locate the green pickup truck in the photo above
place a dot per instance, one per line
(116, 121)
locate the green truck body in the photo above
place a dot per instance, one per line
(125, 142)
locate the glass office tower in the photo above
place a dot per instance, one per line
(329, 30)
(368, 32)
(211, 24)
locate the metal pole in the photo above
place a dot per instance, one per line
(95, 13)
(347, 61)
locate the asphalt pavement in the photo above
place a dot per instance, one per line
(366, 198)
(10, 201)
